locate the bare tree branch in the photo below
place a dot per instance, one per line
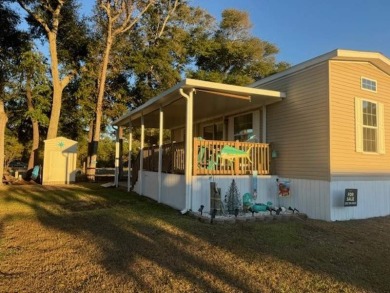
(47, 6)
(168, 16)
(126, 25)
(35, 16)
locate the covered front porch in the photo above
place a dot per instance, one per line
(209, 159)
(234, 117)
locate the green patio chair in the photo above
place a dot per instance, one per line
(202, 155)
(212, 164)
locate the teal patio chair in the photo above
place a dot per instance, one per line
(212, 164)
(202, 156)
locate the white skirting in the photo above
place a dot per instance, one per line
(172, 191)
(318, 199)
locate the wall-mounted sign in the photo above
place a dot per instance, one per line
(350, 199)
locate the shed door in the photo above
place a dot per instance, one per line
(58, 167)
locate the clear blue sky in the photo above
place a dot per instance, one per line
(303, 29)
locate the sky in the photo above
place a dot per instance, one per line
(304, 29)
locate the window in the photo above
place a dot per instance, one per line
(368, 84)
(369, 126)
(243, 127)
(213, 132)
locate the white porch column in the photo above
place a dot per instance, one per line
(129, 157)
(116, 181)
(264, 124)
(141, 157)
(160, 143)
(188, 146)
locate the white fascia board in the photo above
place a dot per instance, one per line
(335, 54)
(148, 103)
(363, 54)
(295, 68)
(188, 83)
(233, 89)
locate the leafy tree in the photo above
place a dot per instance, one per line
(232, 55)
(159, 49)
(114, 19)
(65, 33)
(29, 102)
(37, 90)
(13, 149)
(11, 43)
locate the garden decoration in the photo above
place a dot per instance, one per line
(232, 198)
(293, 210)
(215, 198)
(283, 187)
(247, 201)
(261, 207)
(213, 214)
(230, 153)
(201, 209)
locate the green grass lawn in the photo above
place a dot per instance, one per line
(85, 238)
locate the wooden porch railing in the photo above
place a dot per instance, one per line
(207, 158)
(173, 160)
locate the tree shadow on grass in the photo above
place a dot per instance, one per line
(134, 237)
(123, 236)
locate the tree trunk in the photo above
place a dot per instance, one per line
(3, 122)
(99, 104)
(57, 88)
(35, 144)
(91, 151)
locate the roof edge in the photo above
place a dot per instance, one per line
(337, 53)
(149, 102)
(189, 83)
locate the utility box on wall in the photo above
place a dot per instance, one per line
(59, 163)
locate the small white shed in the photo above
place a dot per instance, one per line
(59, 164)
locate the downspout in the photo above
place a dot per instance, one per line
(141, 157)
(188, 148)
(129, 157)
(160, 143)
(116, 180)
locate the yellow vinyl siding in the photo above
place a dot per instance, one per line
(298, 126)
(345, 87)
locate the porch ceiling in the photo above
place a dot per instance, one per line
(210, 100)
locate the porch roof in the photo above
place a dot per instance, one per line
(211, 99)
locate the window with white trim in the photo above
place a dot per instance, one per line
(369, 117)
(368, 84)
(243, 127)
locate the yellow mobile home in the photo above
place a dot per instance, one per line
(320, 124)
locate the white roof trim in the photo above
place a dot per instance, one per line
(199, 84)
(335, 54)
